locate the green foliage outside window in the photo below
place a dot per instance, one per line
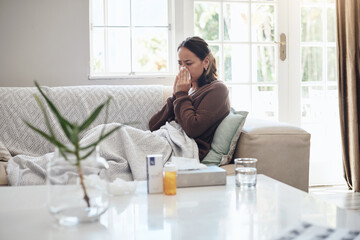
(206, 21)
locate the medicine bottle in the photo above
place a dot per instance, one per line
(170, 179)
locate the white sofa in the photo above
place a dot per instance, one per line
(282, 149)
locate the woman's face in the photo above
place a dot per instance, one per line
(192, 62)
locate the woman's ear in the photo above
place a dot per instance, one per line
(206, 62)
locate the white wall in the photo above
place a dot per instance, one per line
(47, 41)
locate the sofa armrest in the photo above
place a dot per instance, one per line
(3, 175)
(282, 150)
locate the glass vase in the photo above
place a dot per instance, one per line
(77, 191)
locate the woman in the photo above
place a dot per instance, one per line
(200, 102)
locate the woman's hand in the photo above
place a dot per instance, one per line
(182, 81)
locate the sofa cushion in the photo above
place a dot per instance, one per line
(225, 139)
(4, 157)
(229, 168)
(4, 153)
(3, 175)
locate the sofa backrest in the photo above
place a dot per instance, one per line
(129, 104)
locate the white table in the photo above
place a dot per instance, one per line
(218, 212)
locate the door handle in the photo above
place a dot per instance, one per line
(282, 46)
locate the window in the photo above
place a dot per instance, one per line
(241, 35)
(130, 37)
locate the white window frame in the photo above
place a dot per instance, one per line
(175, 19)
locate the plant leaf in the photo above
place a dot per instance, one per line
(62, 152)
(63, 122)
(102, 137)
(109, 133)
(52, 139)
(106, 117)
(88, 154)
(74, 135)
(107, 110)
(93, 116)
(45, 114)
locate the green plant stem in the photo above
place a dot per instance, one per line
(86, 197)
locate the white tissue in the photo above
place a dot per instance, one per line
(117, 187)
(182, 67)
(94, 181)
(183, 163)
(121, 187)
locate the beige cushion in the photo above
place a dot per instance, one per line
(4, 153)
(3, 175)
(230, 169)
(4, 157)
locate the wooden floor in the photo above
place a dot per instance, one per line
(339, 195)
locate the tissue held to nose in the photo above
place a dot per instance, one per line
(184, 68)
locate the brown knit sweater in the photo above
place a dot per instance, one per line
(199, 113)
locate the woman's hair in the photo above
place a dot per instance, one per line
(201, 49)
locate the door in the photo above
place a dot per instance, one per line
(313, 63)
(290, 79)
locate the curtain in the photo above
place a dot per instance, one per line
(348, 45)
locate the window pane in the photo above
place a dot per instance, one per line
(149, 12)
(215, 50)
(311, 64)
(236, 62)
(119, 12)
(332, 100)
(240, 97)
(312, 1)
(150, 50)
(262, 21)
(119, 49)
(312, 103)
(311, 24)
(97, 12)
(331, 25)
(264, 100)
(236, 22)
(263, 63)
(331, 64)
(206, 20)
(98, 51)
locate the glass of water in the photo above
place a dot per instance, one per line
(245, 172)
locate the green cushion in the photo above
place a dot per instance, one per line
(225, 139)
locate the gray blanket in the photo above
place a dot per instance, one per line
(125, 152)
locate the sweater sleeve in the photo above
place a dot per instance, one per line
(213, 107)
(164, 115)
